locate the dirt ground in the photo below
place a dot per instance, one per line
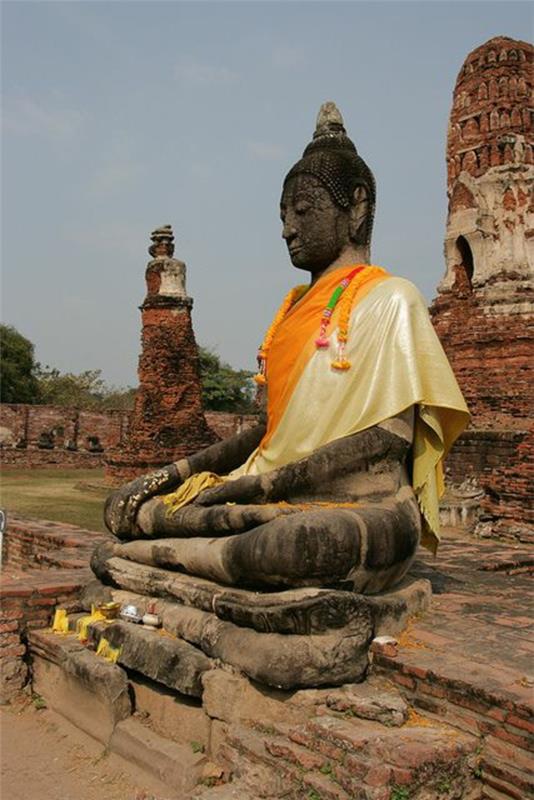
(43, 757)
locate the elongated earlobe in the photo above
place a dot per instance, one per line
(358, 216)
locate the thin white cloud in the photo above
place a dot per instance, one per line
(31, 117)
(200, 73)
(266, 151)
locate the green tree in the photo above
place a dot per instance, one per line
(18, 368)
(86, 390)
(224, 388)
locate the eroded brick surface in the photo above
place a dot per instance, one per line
(72, 430)
(79, 438)
(45, 565)
(168, 422)
(484, 311)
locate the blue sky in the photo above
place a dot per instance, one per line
(122, 116)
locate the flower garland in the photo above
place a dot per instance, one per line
(358, 277)
(289, 301)
(343, 295)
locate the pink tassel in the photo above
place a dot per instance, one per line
(322, 341)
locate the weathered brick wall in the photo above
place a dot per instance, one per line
(14, 418)
(484, 312)
(70, 428)
(168, 420)
(60, 422)
(25, 423)
(30, 544)
(34, 458)
(505, 728)
(44, 565)
(492, 355)
(26, 604)
(477, 453)
(502, 463)
(491, 97)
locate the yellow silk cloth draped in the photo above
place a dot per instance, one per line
(294, 341)
(397, 362)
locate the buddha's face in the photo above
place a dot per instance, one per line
(315, 229)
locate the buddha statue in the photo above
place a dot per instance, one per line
(340, 481)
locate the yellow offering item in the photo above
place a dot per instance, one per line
(110, 610)
(108, 652)
(61, 621)
(83, 623)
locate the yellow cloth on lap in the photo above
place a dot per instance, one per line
(190, 489)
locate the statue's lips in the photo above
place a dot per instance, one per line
(294, 250)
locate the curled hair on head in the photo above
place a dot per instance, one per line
(332, 159)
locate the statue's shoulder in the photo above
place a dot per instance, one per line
(401, 292)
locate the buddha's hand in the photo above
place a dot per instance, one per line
(122, 505)
(248, 489)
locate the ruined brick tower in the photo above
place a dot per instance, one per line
(168, 422)
(484, 310)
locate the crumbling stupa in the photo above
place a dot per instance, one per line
(484, 309)
(168, 422)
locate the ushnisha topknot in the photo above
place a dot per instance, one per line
(332, 158)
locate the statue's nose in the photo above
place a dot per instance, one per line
(289, 230)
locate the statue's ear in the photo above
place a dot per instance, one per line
(358, 213)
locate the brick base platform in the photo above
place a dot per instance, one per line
(469, 661)
(459, 677)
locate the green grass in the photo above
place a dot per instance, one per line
(52, 494)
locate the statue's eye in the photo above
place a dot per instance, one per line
(301, 208)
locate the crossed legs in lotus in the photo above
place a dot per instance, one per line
(344, 514)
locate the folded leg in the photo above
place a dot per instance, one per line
(370, 546)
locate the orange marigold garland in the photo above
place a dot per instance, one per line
(343, 295)
(290, 299)
(359, 277)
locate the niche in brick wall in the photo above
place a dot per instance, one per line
(465, 266)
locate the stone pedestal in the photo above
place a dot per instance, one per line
(168, 421)
(287, 639)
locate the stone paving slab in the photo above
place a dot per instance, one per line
(481, 611)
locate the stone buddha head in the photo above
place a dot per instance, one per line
(328, 199)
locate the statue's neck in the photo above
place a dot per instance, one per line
(349, 256)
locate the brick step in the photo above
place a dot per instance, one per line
(505, 782)
(251, 755)
(61, 560)
(340, 758)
